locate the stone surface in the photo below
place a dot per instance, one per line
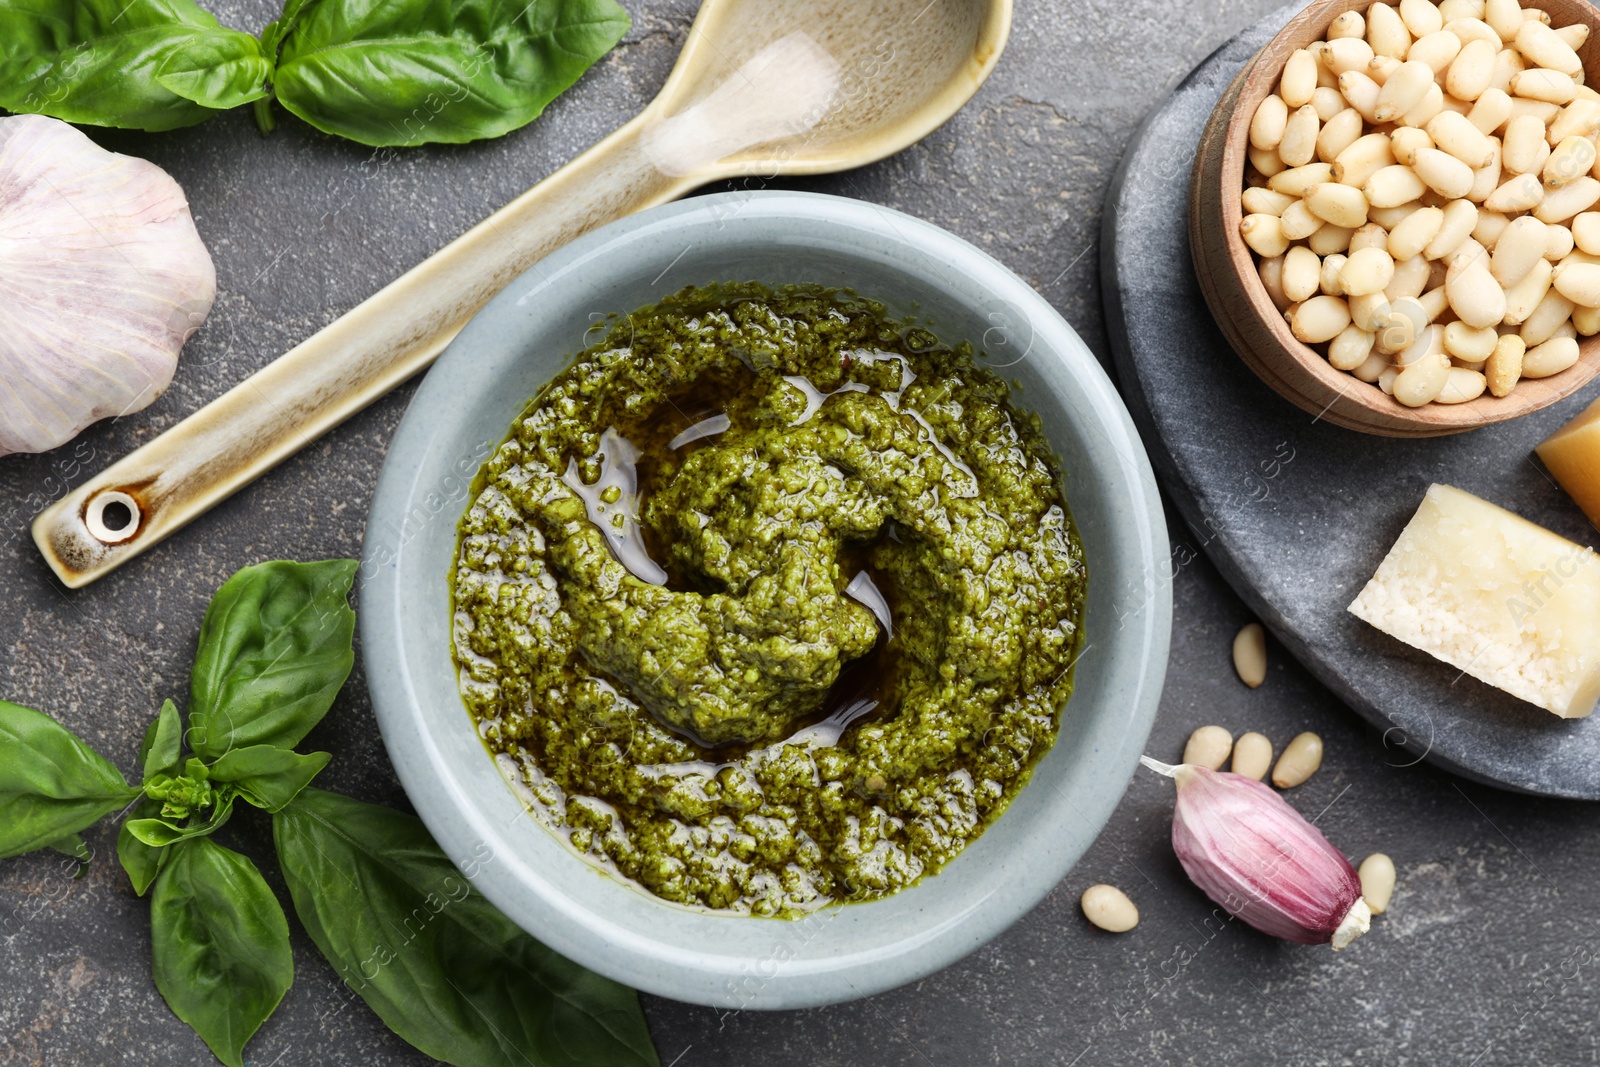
(1298, 513)
(1486, 955)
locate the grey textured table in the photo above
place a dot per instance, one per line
(1488, 955)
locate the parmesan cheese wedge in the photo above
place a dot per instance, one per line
(1573, 455)
(1506, 601)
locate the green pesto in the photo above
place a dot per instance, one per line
(659, 636)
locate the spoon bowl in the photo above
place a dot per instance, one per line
(763, 89)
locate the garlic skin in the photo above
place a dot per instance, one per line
(102, 278)
(1257, 857)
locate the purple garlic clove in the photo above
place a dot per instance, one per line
(1261, 861)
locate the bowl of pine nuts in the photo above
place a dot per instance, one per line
(1395, 211)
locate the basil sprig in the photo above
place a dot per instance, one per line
(405, 929)
(382, 72)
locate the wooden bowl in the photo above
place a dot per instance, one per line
(1256, 328)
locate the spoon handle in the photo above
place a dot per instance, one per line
(155, 490)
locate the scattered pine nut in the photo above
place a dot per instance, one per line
(1208, 747)
(1300, 760)
(1252, 755)
(1250, 654)
(1109, 908)
(1377, 881)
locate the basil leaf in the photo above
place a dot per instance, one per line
(274, 649)
(158, 832)
(218, 70)
(267, 776)
(51, 784)
(432, 957)
(163, 741)
(99, 61)
(406, 74)
(142, 862)
(219, 945)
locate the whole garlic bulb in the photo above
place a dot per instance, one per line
(102, 278)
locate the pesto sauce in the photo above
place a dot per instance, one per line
(768, 601)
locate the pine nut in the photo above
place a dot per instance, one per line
(1265, 161)
(1543, 47)
(1468, 343)
(1559, 205)
(1487, 177)
(1491, 110)
(1368, 270)
(1459, 220)
(1522, 298)
(1320, 318)
(1299, 143)
(1338, 133)
(1411, 235)
(1264, 234)
(1524, 149)
(1460, 9)
(1505, 365)
(1252, 755)
(1421, 17)
(1557, 242)
(1409, 280)
(1571, 159)
(1377, 876)
(1473, 29)
(1327, 101)
(1302, 273)
(1453, 133)
(1428, 343)
(1109, 908)
(1460, 386)
(1299, 79)
(1585, 320)
(1575, 35)
(1349, 24)
(1298, 221)
(1393, 185)
(1433, 102)
(1272, 280)
(1208, 747)
(1434, 302)
(1328, 280)
(1390, 217)
(1504, 17)
(1444, 173)
(1372, 369)
(1370, 312)
(1475, 296)
(1506, 65)
(1265, 202)
(1369, 236)
(1387, 379)
(1546, 318)
(1297, 181)
(1330, 239)
(1468, 77)
(1403, 90)
(1387, 31)
(1519, 247)
(1364, 157)
(1423, 381)
(1405, 142)
(1578, 119)
(1551, 86)
(1300, 760)
(1586, 232)
(1350, 348)
(1347, 54)
(1381, 68)
(1342, 205)
(1521, 193)
(1491, 224)
(1438, 50)
(1360, 92)
(1552, 357)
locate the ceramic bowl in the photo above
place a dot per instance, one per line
(1238, 300)
(465, 407)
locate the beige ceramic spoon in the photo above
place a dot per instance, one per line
(762, 88)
